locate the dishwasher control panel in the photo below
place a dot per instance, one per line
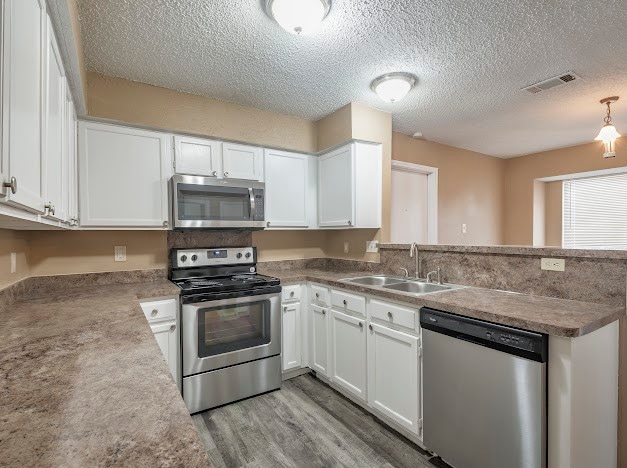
(522, 342)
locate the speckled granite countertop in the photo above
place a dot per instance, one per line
(558, 317)
(84, 383)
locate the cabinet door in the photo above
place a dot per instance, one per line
(393, 375)
(292, 350)
(242, 162)
(320, 340)
(196, 156)
(166, 335)
(336, 206)
(72, 166)
(24, 34)
(124, 174)
(55, 153)
(286, 176)
(348, 353)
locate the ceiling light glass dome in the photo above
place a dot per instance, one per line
(298, 16)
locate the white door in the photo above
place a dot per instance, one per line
(320, 340)
(166, 335)
(24, 34)
(124, 174)
(291, 343)
(410, 207)
(286, 177)
(348, 353)
(393, 375)
(55, 152)
(336, 204)
(196, 156)
(242, 162)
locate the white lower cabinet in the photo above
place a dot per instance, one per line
(291, 336)
(166, 334)
(348, 353)
(320, 339)
(394, 375)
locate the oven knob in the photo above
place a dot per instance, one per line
(247, 254)
(194, 258)
(239, 255)
(183, 258)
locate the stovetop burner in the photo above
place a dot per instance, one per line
(222, 284)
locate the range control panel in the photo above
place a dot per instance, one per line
(182, 258)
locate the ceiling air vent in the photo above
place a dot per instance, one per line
(551, 83)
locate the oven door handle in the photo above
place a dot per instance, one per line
(253, 205)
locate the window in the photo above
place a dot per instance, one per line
(595, 213)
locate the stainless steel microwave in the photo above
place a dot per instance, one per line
(207, 202)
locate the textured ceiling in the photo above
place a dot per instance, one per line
(471, 57)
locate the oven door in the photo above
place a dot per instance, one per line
(221, 333)
(205, 202)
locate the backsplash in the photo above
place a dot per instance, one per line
(199, 238)
(591, 279)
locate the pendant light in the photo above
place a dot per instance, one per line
(608, 133)
(393, 87)
(297, 16)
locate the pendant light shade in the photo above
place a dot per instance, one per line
(298, 16)
(608, 133)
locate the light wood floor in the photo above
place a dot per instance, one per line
(305, 424)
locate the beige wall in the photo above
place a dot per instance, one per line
(335, 128)
(17, 242)
(470, 189)
(142, 104)
(553, 214)
(521, 172)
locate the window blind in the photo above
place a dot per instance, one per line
(595, 213)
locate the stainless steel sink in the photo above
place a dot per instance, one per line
(418, 287)
(377, 280)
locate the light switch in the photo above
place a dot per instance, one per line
(119, 253)
(464, 228)
(372, 246)
(345, 247)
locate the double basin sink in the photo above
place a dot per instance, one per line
(398, 283)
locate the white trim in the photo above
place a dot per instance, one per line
(432, 187)
(585, 175)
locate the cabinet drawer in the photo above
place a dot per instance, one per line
(159, 310)
(319, 295)
(291, 293)
(341, 300)
(392, 313)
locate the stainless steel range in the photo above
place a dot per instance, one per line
(230, 326)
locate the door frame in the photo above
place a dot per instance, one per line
(432, 190)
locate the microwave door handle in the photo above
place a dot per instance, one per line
(253, 207)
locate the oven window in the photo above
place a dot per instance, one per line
(209, 203)
(233, 327)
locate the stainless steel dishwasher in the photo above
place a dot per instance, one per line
(484, 392)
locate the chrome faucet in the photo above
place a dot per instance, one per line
(437, 272)
(415, 253)
(405, 272)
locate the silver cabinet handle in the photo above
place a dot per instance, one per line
(226, 174)
(317, 295)
(12, 185)
(154, 313)
(166, 224)
(292, 294)
(350, 223)
(370, 327)
(361, 324)
(324, 312)
(344, 302)
(214, 174)
(284, 309)
(390, 315)
(172, 328)
(50, 208)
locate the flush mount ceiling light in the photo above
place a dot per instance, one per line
(297, 16)
(393, 87)
(608, 133)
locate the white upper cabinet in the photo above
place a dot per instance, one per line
(288, 191)
(72, 159)
(242, 162)
(24, 36)
(349, 186)
(197, 156)
(55, 152)
(124, 175)
(393, 375)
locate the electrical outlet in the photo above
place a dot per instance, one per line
(553, 264)
(119, 253)
(372, 246)
(345, 247)
(464, 228)
(13, 262)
